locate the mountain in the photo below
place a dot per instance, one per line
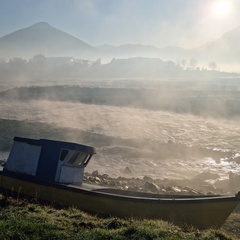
(225, 49)
(45, 39)
(42, 38)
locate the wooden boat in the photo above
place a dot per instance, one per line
(53, 171)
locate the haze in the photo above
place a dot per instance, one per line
(149, 83)
(185, 23)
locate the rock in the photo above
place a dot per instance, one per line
(147, 179)
(97, 180)
(112, 184)
(187, 190)
(176, 189)
(169, 189)
(125, 188)
(152, 187)
(105, 182)
(192, 192)
(105, 176)
(165, 186)
(122, 179)
(95, 173)
(163, 190)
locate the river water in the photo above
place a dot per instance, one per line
(131, 123)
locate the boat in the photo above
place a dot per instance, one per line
(53, 171)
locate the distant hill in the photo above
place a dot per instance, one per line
(42, 38)
(225, 49)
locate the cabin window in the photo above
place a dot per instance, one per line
(86, 160)
(63, 154)
(79, 158)
(73, 157)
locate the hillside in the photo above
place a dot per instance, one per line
(225, 49)
(45, 39)
(42, 38)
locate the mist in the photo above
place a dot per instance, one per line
(126, 122)
(153, 86)
(159, 119)
(160, 144)
(59, 54)
(182, 130)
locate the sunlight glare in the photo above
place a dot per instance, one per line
(221, 8)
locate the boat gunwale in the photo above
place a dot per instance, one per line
(170, 199)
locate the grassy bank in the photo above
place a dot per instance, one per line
(24, 219)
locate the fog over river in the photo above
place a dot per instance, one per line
(131, 123)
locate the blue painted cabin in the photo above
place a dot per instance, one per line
(48, 160)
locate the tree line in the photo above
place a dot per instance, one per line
(40, 67)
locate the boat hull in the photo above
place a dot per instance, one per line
(202, 212)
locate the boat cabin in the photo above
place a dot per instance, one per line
(49, 160)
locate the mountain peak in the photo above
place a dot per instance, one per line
(45, 39)
(41, 25)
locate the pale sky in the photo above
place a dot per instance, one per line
(183, 23)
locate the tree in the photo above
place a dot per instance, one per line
(38, 59)
(18, 64)
(97, 63)
(212, 65)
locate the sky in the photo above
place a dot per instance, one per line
(181, 23)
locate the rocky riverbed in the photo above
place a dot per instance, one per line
(197, 186)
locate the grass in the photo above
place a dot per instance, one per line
(25, 219)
